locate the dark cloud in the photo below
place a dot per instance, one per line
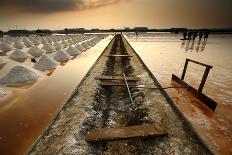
(49, 6)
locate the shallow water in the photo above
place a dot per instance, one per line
(28, 109)
(165, 54)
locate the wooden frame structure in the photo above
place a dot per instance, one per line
(197, 92)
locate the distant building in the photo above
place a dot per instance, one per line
(75, 30)
(94, 30)
(19, 32)
(141, 29)
(177, 30)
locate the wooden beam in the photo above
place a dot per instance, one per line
(121, 133)
(104, 83)
(202, 97)
(118, 55)
(130, 78)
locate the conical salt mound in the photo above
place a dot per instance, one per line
(45, 63)
(5, 47)
(85, 45)
(35, 51)
(28, 43)
(35, 41)
(18, 45)
(61, 56)
(18, 55)
(2, 62)
(49, 48)
(79, 47)
(58, 46)
(18, 75)
(72, 51)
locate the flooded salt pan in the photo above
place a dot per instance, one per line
(28, 108)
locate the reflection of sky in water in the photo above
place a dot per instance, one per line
(165, 54)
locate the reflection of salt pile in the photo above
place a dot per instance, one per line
(72, 51)
(61, 56)
(49, 48)
(18, 45)
(19, 74)
(35, 51)
(2, 62)
(45, 63)
(18, 55)
(5, 47)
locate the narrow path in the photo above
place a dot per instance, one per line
(92, 107)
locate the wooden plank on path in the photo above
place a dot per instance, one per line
(130, 78)
(119, 55)
(107, 83)
(121, 133)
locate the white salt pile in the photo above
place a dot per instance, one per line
(18, 45)
(2, 62)
(18, 75)
(79, 47)
(3, 92)
(84, 44)
(7, 41)
(28, 43)
(72, 51)
(44, 40)
(18, 55)
(61, 56)
(35, 51)
(45, 63)
(49, 48)
(35, 41)
(58, 46)
(5, 47)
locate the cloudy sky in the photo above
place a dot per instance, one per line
(58, 14)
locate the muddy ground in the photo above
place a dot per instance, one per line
(92, 106)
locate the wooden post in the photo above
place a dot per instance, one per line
(185, 68)
(204, 79)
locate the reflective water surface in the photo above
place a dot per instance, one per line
(165, 54)
(27, 109)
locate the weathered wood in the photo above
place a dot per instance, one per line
(199, 63)
(202, 97)
(118, 55)
(120, 133)
(117, 78)
(184, 70)
(106, 83)
(204, 79)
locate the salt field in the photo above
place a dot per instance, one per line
(37, 76)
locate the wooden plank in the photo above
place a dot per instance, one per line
(199, 63)
(118, 55)
(202, 97)
(106, 83)
(120, 133)
(117, 78)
